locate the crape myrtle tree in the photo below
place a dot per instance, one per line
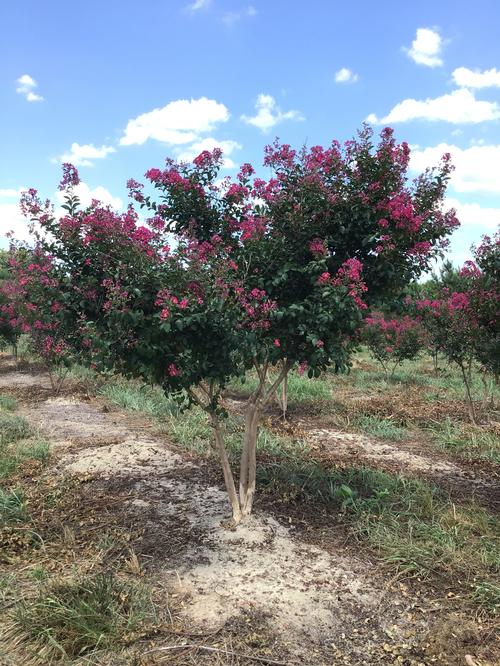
(464, 325)
(485, 301)
(392, 340)
(9, 329)
(246, 273)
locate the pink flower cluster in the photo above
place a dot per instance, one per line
(349, 274)
(256, 305)
(317, 247)
(169, 301)
(70, 177)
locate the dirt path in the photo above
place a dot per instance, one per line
(324, 607)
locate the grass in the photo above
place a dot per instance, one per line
(408, 522)
(12, 507)
(467, 440)
(381, 428)
(137, 397)
(75, 618)
(301, 389)
(14, 454)
(191, 429)
(7, 403)
(13, 428)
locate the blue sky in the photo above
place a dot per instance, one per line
(79, 81)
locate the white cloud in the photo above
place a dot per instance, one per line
(469, 78)
(198, 4)
(472, 214)
(476, 167)
(227, 146)
(10, 192)
(25, 86)
(459, 106)
(426, 48)
(345, 75)
(177, 123)
(230, 18)
(85, 194)
(11, 220)
(269, 114)
(82, 155)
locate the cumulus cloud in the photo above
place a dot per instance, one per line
(230, 18)
(12, 222)
(26, 85)
(472, 214)
(177, 123)
(345, 75)
(469, 78)
(459, 106)
(9, 192)
(86, 194)
(476, 167)
(198, 4)
(83, 155)
(227, 146)
(269, 114)
(426, 48)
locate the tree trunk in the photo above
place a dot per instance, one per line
(248, 464)
(472, 411)
(283, 398)
(435, 362)
(226, 468)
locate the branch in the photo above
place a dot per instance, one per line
(196, 399)
(206, 648)
(283, 372)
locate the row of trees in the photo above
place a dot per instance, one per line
(228, 275)
(455, 314)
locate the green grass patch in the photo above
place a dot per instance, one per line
(467, 441)
(12, 507)
(14, 454)
(7, 403)
(138, 397)
(381, 428)
(13, 428)
(81, 617)
(409, 522)
(300, 389)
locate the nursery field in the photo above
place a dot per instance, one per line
(374, 537)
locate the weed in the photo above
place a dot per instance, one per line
(137, 397)
(382, 428)
(73, 618)
(300, 389)
(488, 595)
(467, 440)
(13, 428)
(7, 403)
(12, 507)
(407, 521)
(14, 454)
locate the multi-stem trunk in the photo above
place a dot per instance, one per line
(241, 503)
